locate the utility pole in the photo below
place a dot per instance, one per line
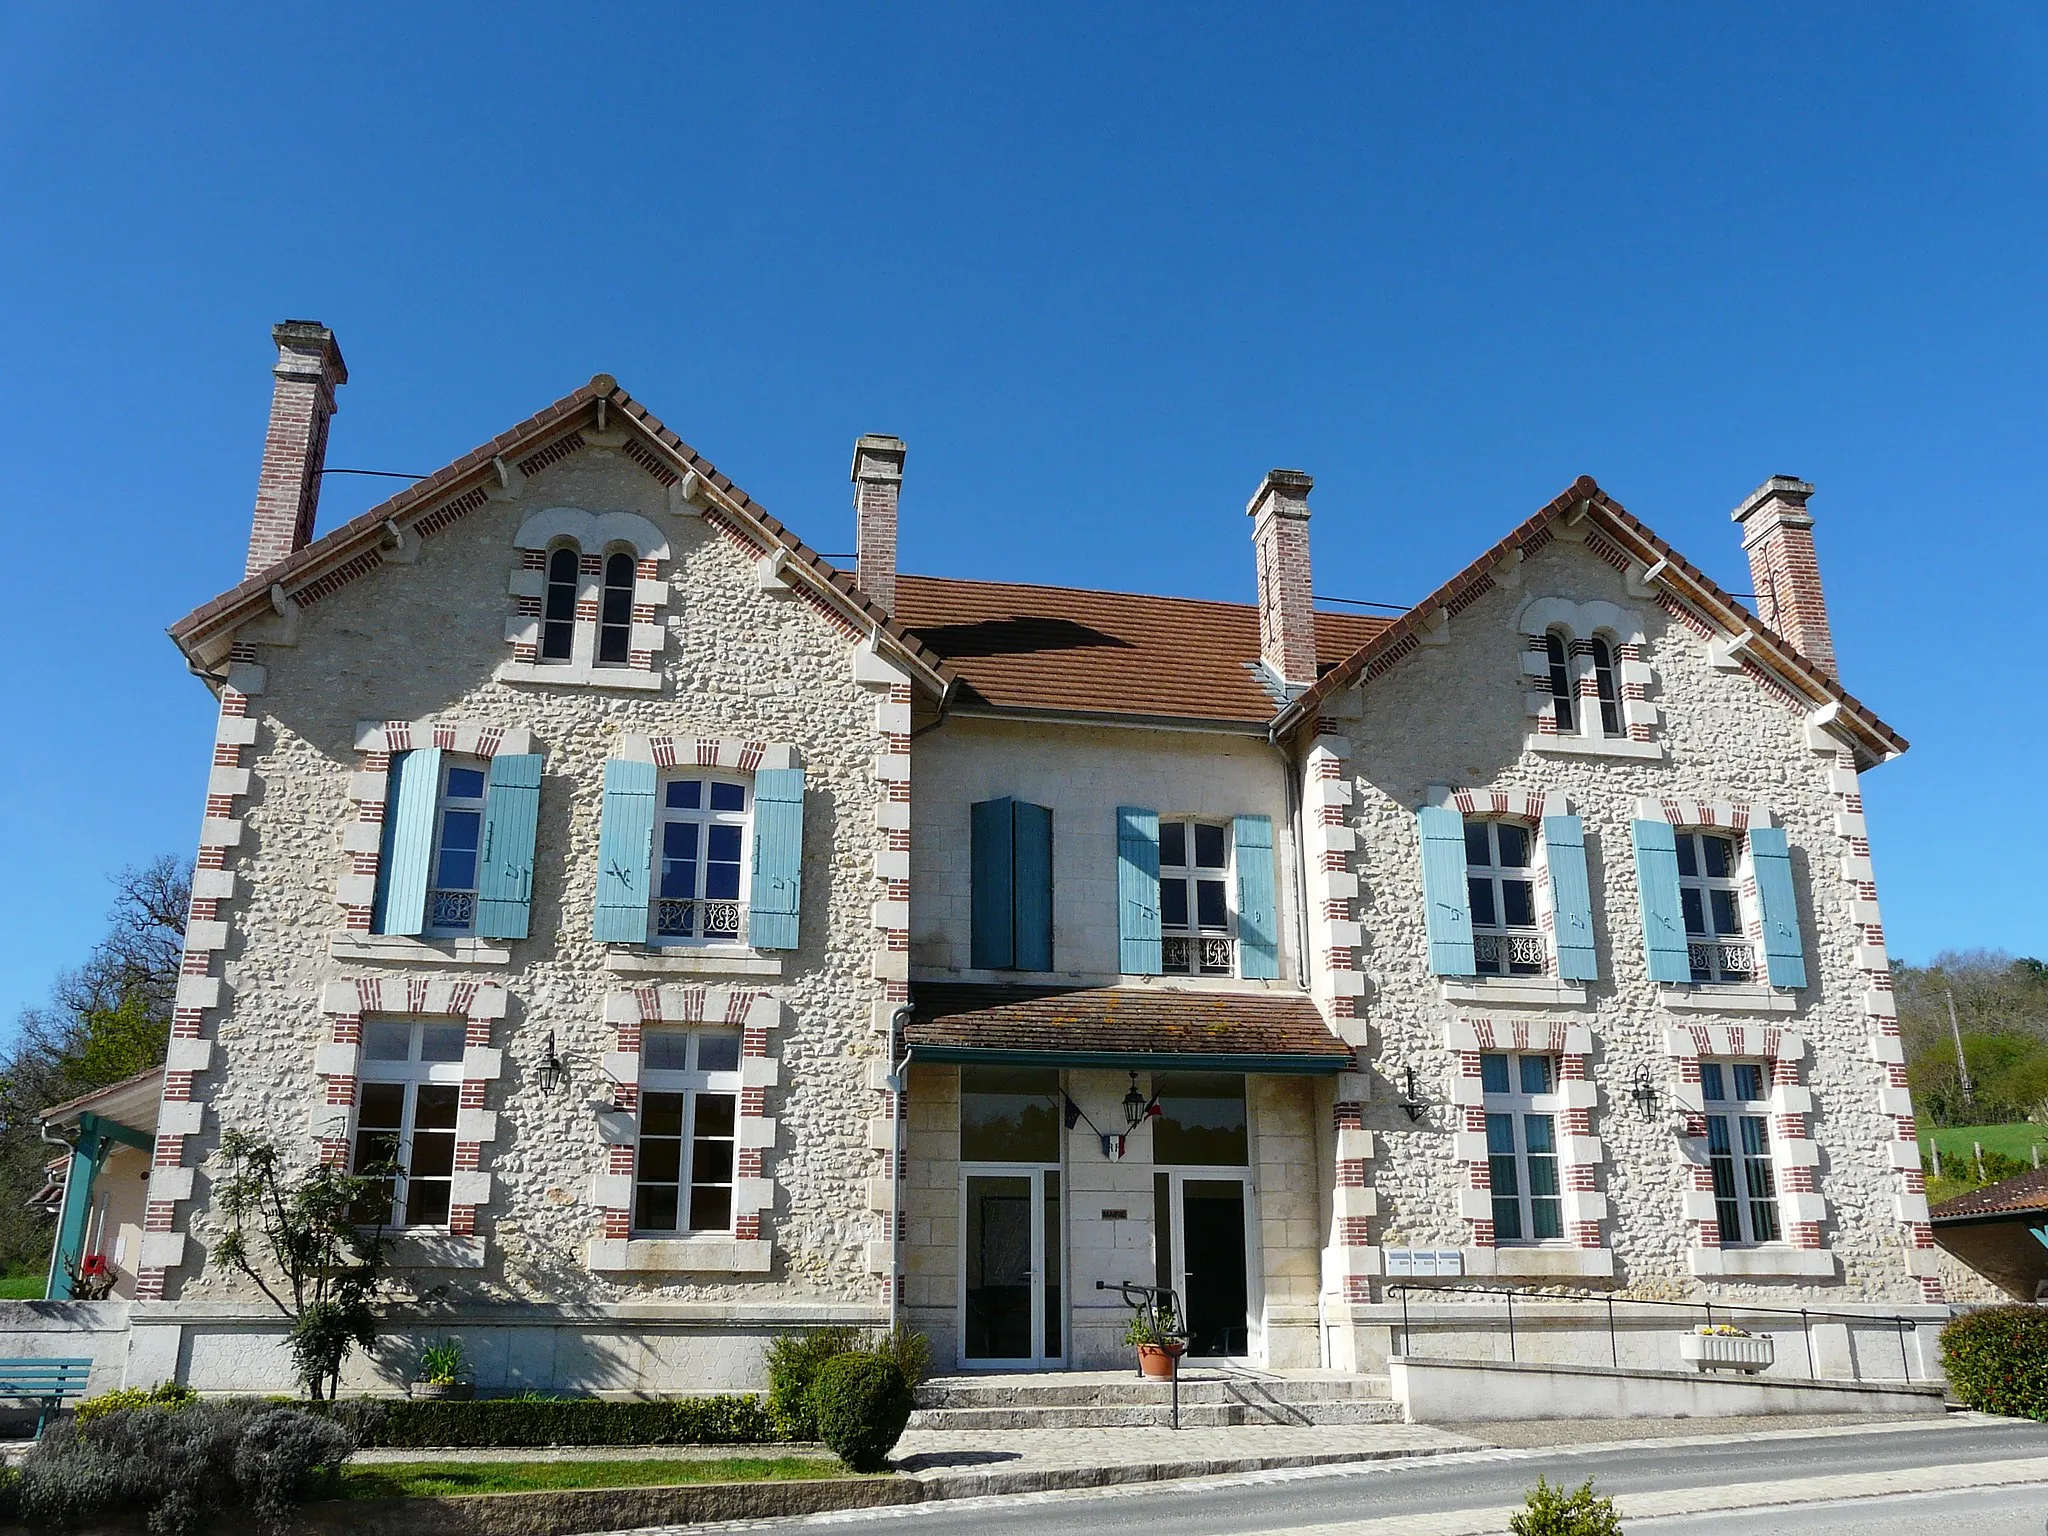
(1956, 1032)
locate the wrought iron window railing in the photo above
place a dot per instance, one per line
(1510, 954)
(1722, 959)
(1198, 954)
(451, 911)
(724, 922)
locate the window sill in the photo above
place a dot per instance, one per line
(572, 674)
(668, 1255)
(392, 946)
(711, 960)
(1527, 991)
(1537, 1262)
(1726, 997)
(1597, 746)
(434, 1248)
(1786, 1263)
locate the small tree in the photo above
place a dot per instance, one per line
(330, 1268)
(1562, 1511)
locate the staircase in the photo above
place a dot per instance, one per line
(1209, 1398)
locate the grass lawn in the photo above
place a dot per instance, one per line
(421, 1479)
(2014, 1141)
(21, 1287)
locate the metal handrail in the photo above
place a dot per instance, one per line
(1899, 1321)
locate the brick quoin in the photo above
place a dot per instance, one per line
(309, 369)
(877, 488)
(1287, 623)
(1777, 534)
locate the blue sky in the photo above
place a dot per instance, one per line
(1101, 267)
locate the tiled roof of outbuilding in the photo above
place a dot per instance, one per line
(1146, 1025)
(2023, 1193)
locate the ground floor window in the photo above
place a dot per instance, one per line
(1522, 1109)
(1736, 1094)
(687, 1158)
(407, 1097)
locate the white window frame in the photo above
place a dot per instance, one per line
(1718, 959)
(1509, 1117)
(574, 551)
(1755, 1207)
(604, 591)
(1563, 684)
(1506, 938)
(1206, 949)
(411, 1074)
(451, 909)
(1607, 686)
(692, 1084)
(725, 916)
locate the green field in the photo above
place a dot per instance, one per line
(415, 1479)
(21, 1287)
(2014, 1141)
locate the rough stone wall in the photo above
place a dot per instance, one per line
(1455, 714)
(423, 641)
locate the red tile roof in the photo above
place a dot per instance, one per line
(2026, 1192)
(1070, 649)
(1136, 1026)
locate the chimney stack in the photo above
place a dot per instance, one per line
(1287, 622)
(1777, 534)
(309, 369)
(878, 484)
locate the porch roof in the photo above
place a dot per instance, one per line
(1122, 1027)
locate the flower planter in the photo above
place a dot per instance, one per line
(1157, 1360)
(444, 1391)
(1726, 1351)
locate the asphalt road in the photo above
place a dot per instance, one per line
(1490, 1479)
(1993, 1512)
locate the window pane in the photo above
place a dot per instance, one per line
(1546, 1219)
(1480, 893)
(1535, 1076)
(1514, 845)
(661, 1114)
(618, 572)
(678, 860)
(1749, 1081)
(1540, 1132)
(665, 1050)
(1720, 856)
(710, 1210)
(1201, 1119)
(1500, 1140)
(435, 1108)
(1212, 908)
(1209, 852)
(722, 863)
(715, 1113)
(426, 1203)
(1695, 915)
(1507, 1220)
(387, 1042)
(1493, 1074)
(718, 1051)
(1477, 851)
(1712, 1088)
(433, 1155)
(711, 1162)
(1505, 1176)
(443, 1042)
(465, 783)
(1173, 903)
(460, 829)
(685, 794)
(1752, 1135)
(1518, 903)
(562, 565)
(1173, 843)
(655, 1209)
(1008, 1114)
(660, 1159)
(1688, 859)
(728, 797)
(1725, 919)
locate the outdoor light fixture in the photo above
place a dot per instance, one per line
(1645, 1095)
(1409, 1103)
(1134, 1105)
(553, 1071)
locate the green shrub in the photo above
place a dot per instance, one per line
(165, 1394)
(861, 1403)
(793, 1362)
(1997, 1360)
(910, 1350)
(731, 1419)
(1560, 1511)
(181, 1465)
(443, 1364)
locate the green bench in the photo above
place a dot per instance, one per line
(46, 1383)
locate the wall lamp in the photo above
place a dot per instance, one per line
(1411, 1103)
(1137, 1109)
(552, 1072)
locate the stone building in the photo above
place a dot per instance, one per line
(720, 942)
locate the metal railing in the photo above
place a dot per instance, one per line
(1201, 954)
(699, 919)
(1721, 959)
(451, 911)
(1806, 1315)
(1499, 954)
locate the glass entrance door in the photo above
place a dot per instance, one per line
(1012, 1302)
(1202, 1254)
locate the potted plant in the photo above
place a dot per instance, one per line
(1724, 1347)
(1154, 1331)
(442, 1369)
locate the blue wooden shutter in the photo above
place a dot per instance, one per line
(1663, 913)
(1771, 860)
(625, 852)
(992, 944)
(1032, 862)
(511, 814)
(778, 858)
(1137, 892)
(1571, 898)
(1258, 918)
(409, 802)
(1446, 903)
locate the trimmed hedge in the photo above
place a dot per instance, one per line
(730, 1419)
(861, 1403)
(1997, 1360)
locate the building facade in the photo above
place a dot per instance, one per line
(717, 942)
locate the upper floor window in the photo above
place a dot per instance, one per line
(615, 612)
(458, 847)
(1010, 903)
(1194, 899)
(408, 1093)
(455, 859)
(686, 1161)
(1501, 887)
(1587, 682)
(1605, 686)
(701, 869)
(1709, 894)
(1522, 1106)
(1736, 1096)
(558, 607)
(1557, 651)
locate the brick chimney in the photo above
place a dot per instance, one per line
(877, 482)
(1287, 625)
(1777, 533)
(309, 368)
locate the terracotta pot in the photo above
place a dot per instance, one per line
(1157, 1360)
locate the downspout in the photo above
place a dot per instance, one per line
(898, 1087)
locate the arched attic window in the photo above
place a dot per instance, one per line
(1610, 692)
(1558, 651)
(615, 611)
(558, 611)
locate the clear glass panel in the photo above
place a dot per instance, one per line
(718, 1051)
(1514, 845)
(1173, 903)
(1500, 1142)
(1480, 893)
(722, 863)
(654, 1208)
(1212, 906)
(1173, 843)
(1493, 1074)
(1052, 1246)
(1209, 846)
(1477, 852)
(1688, 856)
(1212, 1218)
(443, 1042)
(1201, 1119)
(1507, 1215)
(1725, 919)
(1540, 1131)
(678, 860)
(997, 1250)
(710, 1208)
(661, 1114)
(685, 794)
(1752, 1136)
(562, 566)
(461, 835)
(728, 797)
(618, 573)
(1695, 914)
(465, 783)
(1713, 1087)
(1162, 1232)
(660, 1160)
(387, 1042)
(1535, 1075)
(1749, 1081)
(665, 1050)
(1720, 857)
(1518, 903)
(1009, 1114)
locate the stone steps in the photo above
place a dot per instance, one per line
(1117, 1401)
